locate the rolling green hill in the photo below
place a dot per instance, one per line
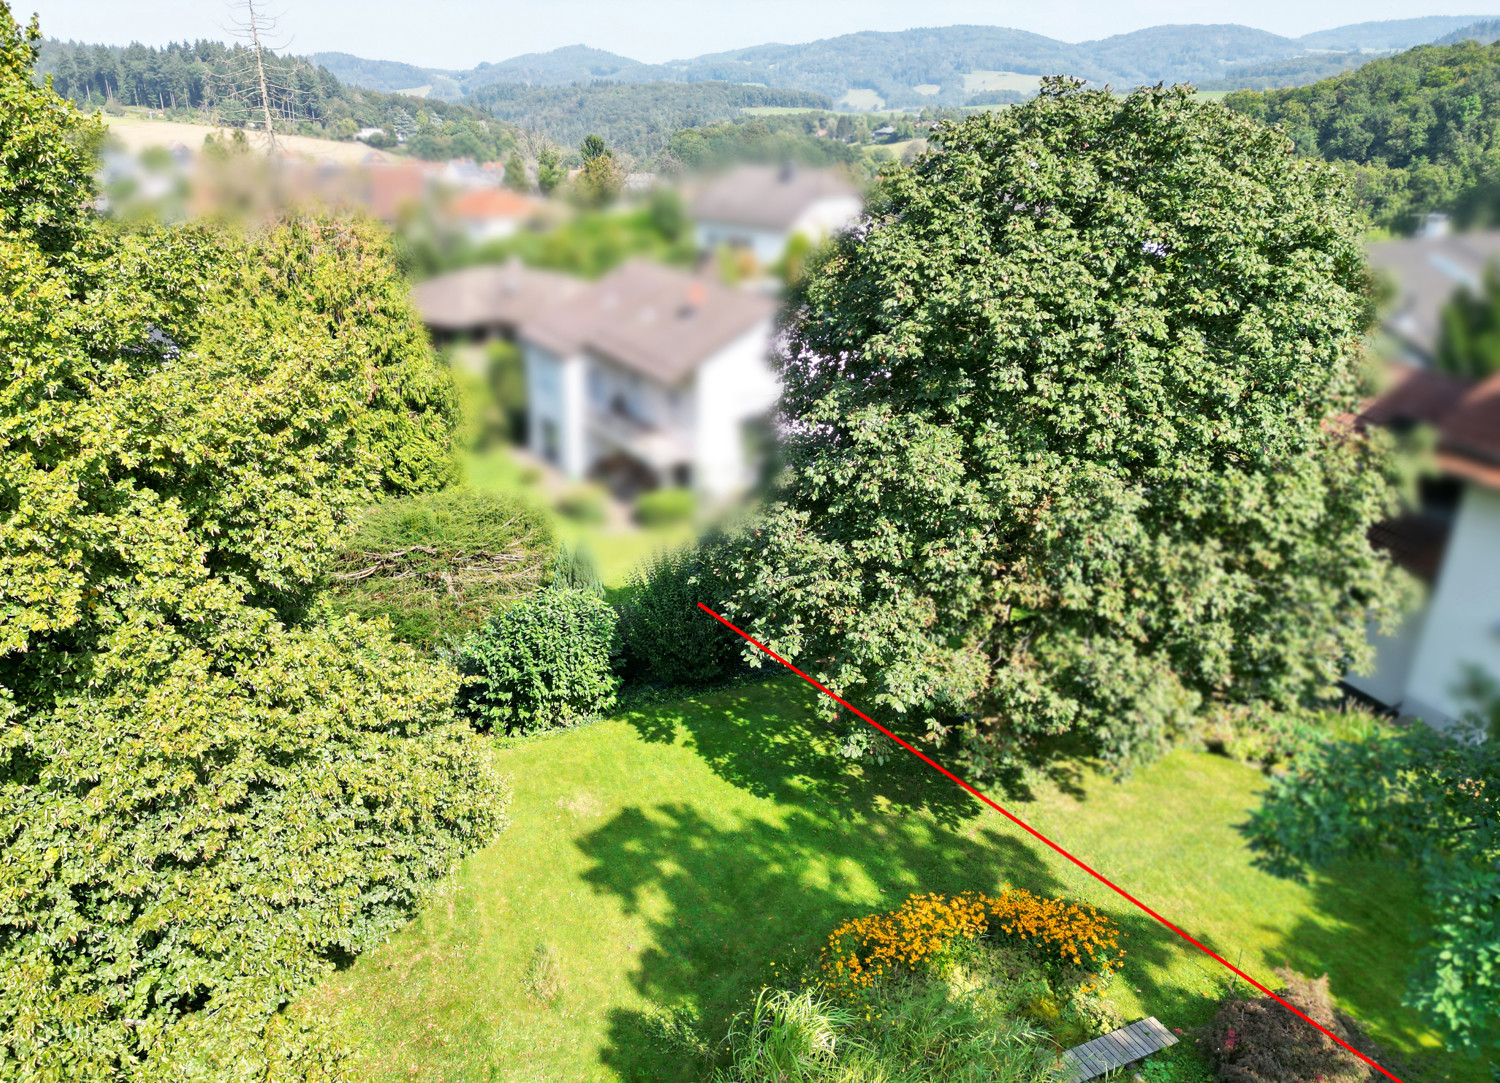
(1418, 132)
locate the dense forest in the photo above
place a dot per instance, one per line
(216, 83)
(637, 118)
(1418, 132)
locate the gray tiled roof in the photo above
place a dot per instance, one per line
(655, 320)
(767, 197)
(492, 295)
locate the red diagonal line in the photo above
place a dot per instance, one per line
(1023, 825)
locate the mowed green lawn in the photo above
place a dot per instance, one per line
(674, 855)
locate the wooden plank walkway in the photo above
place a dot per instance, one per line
(1115, 1050)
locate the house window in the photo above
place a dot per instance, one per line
(682, 476)
(549, 441)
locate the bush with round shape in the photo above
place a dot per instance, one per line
(583, 504)
(437, 564)
(663, 507)
(543, 662)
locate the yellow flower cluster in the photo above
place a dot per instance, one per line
(862, 951)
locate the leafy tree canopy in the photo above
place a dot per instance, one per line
(1469, 344)
(1059, 450)
(1435, 800)
(210, 791)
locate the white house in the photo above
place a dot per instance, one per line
(1451, 543)
(761, 208)
(651, 377)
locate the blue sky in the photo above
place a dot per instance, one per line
(460, 33)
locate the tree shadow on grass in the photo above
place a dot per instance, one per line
(732, 898)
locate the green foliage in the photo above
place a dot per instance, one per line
(505, 374)
(540, 663)
(1470, 342)
(669, 216)
(212, 826)
(574, 569)
(1415, 132)
(914, 1031)
(214, 83)
(593, 146)
(1259, 1041)
(583, 503)
(590, 245)
(211, 791)
(634, 117)
(317, 274)
(760, 139)
(436, 565)
(1435, 800)
(666, 639)
(662, 506)
(1059, 456)
(515, 173)
(550, 172)
(599, 182)
(48, 149)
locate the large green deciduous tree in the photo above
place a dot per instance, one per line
(1060, 441)
(210, 791)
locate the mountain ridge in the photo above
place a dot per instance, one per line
(890, 66)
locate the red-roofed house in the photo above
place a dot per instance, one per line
(489, 214)
(1451, 543)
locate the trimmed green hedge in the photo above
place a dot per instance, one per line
(436, 565)
(661, 507)
(666, 639)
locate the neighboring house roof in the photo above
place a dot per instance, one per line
(767, 197)
(491, 203)
(1427, 272)
(1465, 415)
(660, 322)
(492, 295)
(1470, 437)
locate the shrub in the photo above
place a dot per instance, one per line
(787, 1036)
(863, 951)
(542, 662)
(575, 569)
(205, 833)
(583, 504)
(436, 565)
(1259, 1041)
(665, 637)
(662, 507)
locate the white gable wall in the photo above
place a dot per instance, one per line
(827, 216)
(1462, 622)
(733, 387)
(555, 405)
(767, 245)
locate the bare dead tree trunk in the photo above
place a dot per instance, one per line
(260, 71)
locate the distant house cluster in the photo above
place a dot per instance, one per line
(652, 376)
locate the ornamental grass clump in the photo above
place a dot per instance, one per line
(862, 952)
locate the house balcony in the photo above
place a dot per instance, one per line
(664, 451)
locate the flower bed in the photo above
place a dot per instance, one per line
(862, 951)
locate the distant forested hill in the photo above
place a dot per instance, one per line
(1419, 132)
(216, 83)
(638, 118)
(388, 76)
(954, 65)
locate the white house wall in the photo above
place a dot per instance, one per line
(827, 216)
(555, 395)
(767, 245)
(731, 388)
(1462, 624)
